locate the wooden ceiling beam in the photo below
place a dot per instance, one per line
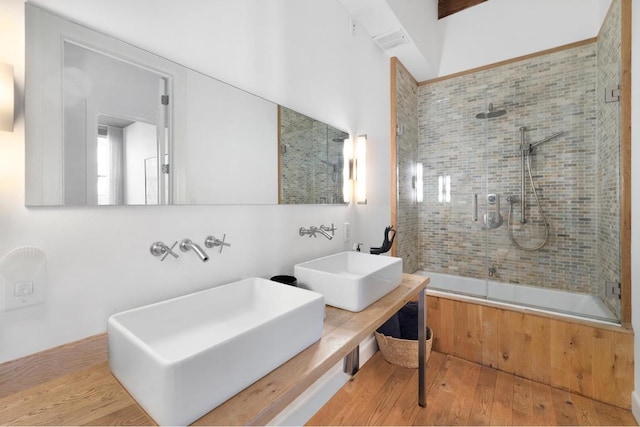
(449, 7)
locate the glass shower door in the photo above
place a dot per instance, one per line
(607, 206)
(490, 116)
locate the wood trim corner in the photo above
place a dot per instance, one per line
(510, 61)
(394, 158)
(625, 164)
(279, 148)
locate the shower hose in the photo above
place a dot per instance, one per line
(544, 218)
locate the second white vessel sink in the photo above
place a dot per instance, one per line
(182, 357)
(350, 280)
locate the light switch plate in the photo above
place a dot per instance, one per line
(22, 289)
(24, 293)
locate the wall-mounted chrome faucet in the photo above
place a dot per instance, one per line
(161, 250)
(311, 231)
(324, 233)
(323, 229)
(187, 245)
(212, 242)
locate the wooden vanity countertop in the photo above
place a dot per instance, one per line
(94, 396)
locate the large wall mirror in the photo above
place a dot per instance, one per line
(111, 124)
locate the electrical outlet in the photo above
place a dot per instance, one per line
(22, 289)
(24, 293)
(347, 232)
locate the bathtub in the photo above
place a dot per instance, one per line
(507, 294)
(570, 341)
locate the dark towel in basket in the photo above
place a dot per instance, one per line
(391, 327)
(408, 316)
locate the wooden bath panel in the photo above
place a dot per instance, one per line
(577, 356)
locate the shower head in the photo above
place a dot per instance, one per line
(490, 113)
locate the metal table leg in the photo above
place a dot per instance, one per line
(351, 363)
(422, 332)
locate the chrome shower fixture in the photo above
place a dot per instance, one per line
(531, 146)
(491, 113)
(491, 219)
(323, 229)
(525, 166)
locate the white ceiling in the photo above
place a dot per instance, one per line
(487, 33)
(492, 31)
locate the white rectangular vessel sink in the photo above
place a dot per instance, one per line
(350, 280)
(181, 358)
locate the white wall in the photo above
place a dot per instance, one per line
(420, 19)
(140, 144)
(304, 57)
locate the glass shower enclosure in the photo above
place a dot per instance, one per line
(521, 181)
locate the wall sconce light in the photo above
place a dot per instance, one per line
(6, 97)
(361, 169)
(419, 184)
(444, 189)
(354, 172)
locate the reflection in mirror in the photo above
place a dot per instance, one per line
(109, 123)
(109, 163)
(112, 112)
(128, 149)
(311, 160)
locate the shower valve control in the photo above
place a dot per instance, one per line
(492, 219)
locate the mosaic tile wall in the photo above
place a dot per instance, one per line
(545, 94)
(294, 146)
(608, 155)
(311, 160)
(406, 155)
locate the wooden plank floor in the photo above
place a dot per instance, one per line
(459, 393)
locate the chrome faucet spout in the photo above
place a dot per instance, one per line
(324, 233)
(187, 245)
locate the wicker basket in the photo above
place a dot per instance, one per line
(402, 352)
